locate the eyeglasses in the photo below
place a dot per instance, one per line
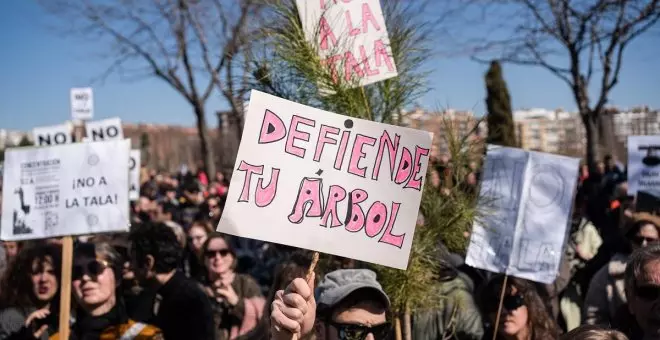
(92, 268)
(648, 292)
(212, 253)
(359, 332)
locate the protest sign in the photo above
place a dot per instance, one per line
(63, 190)
(52, 135)
(82, 103)
(134, 174)
(104, 130)
(351, 38)
(644, 165)
(313, 179)
(525, 205)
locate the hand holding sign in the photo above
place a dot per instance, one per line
(294, 310)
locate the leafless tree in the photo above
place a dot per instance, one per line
(195, 46)
(582, 42)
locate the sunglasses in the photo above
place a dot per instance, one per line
(212, 253)
(639, 240)
(510, 303)
(92, 268)
(648, 293)
(359, 332)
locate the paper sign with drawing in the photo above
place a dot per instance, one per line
(71, 189)
(525, 206)
(351, 38)
(313, 179)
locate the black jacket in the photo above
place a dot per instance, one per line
(184, 311)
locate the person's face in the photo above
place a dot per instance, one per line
(219, 259)
(435, 179)
(197, 236)
(11, 249)
(171, 194)
(362, 321)
(646, 235)
(515, 315)
(213, 190)
(44, 280)
(93, 283)
(142, 273)
(214, 208)
(219, 177)
(645, 303)
(601, 168)
(471, 179)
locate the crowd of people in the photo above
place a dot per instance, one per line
(173, 277)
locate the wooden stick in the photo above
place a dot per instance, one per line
(312, 266)
(499, 308)
(65, 287)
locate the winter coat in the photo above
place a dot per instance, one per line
(606, 293)
(456, 317)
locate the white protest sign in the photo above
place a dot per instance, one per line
(525, 202)
(52, 135)
(104, 130)
(313, 179)
(82, 103)
(351, 38)
(72, 189)
(644, 165)
(134, 174)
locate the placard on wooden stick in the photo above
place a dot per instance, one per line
(317, 180)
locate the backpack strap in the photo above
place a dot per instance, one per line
(133, 331)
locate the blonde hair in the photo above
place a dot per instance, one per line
(593, 332)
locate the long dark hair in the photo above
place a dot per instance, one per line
(17, 290)
(541, 325)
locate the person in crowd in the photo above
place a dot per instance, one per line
(191, 202)
(222, 184)
(592, 332)
(169, 192)
(456, 315)
(30, 288)
(214, 210)
(236, 298)
(349, 304)
(606, 292)
(12, 248)
(182, 310)
(198, 233)
(523, 314)
(642, 280)
(101, 313)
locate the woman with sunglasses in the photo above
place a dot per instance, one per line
(30, 296)
(236, 298)
(524, 316)
(606, 293)
(101, 313)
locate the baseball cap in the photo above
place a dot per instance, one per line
(339, 284)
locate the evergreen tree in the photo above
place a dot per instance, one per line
(25, 141)
(501, 129)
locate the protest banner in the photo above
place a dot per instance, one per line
(313, 179)
(104, 130)
(82, 103)
(72, 189)
(134, 174)
(525, 204)
(644, 166)
(53, 135)
(351, 38)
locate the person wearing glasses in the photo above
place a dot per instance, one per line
(349, 304)
(606, 293)
(236, 298)
(101, 313)
(523, 314)
(642, 279)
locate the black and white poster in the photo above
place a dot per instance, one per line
(72, 189)
(644, 166)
